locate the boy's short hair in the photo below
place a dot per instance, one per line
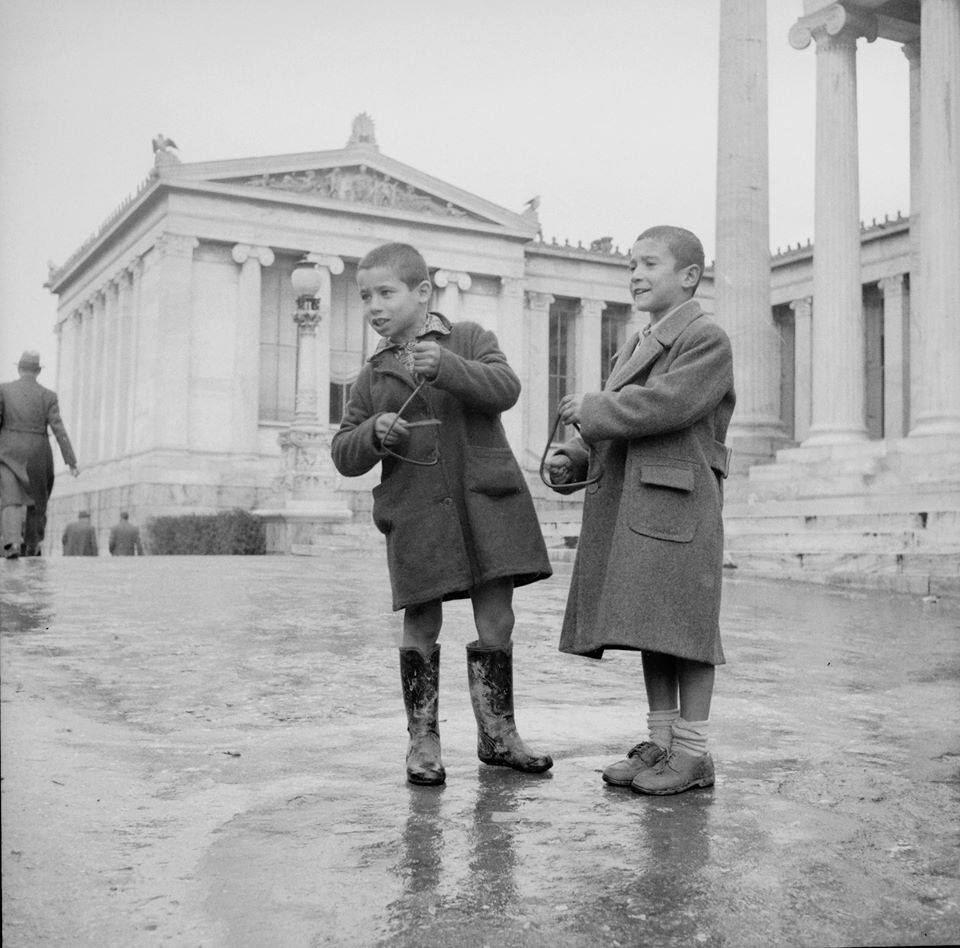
(405, 261)
(683, 244)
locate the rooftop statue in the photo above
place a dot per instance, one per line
(362, 132)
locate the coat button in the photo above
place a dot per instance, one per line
(447, 501)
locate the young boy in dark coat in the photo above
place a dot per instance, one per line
(452, 502)
(650, 557)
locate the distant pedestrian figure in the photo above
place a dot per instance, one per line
(27, 409)
(79, 537)
(452, 500)
(652, 456)
(125, 538)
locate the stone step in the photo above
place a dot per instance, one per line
(940, 497)
(854, 542)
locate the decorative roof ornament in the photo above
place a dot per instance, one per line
(162, 155)
(362, 132)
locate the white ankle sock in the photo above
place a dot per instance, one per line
(659, 726)
(690, 737)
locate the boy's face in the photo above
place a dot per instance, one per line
(655, 283)
(390, 307)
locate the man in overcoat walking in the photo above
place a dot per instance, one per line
(27, 409)
(125, 538)
(80, 538)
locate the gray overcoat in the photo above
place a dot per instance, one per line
(650, 557)
(469, 518)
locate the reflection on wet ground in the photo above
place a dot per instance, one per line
(216, 746)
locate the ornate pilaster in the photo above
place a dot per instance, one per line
(937, 353)
(539, 411)
(588, 346)
(838, 339)
(246, 347)
(742, 270)
(451, 284)
(175, 311)
(802, 365)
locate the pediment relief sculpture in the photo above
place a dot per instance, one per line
(357, 185)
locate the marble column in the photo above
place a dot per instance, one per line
(895, 379)
(81, 375)
(172, 392)
(912, 53)
(451, 284)
(539, 411)
(246, 351)
(588, 346)
(66, 377)
(803, 365)
(97, 369)
(111, 366)
(135, 357)
(937, 319)
(510, 335)
(124, 362)
(742, 268)
(328, 266)
(839, 373)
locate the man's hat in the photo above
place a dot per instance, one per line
(30, 360)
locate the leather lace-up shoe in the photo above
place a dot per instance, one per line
(639, 758)
(675, 773)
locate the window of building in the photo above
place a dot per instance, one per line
(562, 314)
(278, 343)
(613, 334)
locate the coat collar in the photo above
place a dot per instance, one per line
(662, 335)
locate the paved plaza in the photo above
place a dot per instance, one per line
(208, 751)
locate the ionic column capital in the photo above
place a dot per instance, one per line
(803, 307)
(891, 284)
(511, 286)
(243, 252)
(443, 278)
(538, 302)
(833, 25)
(592, 308)
(333, 263)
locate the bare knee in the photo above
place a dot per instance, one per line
(493, 612)
(421, 625)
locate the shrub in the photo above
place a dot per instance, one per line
(230, 532)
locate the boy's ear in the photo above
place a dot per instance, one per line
(424, 290)
(691, 276)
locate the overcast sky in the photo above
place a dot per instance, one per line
(606, 109)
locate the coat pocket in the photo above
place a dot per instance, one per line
(492, 471)
(664, 505)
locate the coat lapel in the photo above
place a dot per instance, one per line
(663, 335)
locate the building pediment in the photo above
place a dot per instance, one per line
(359, 184)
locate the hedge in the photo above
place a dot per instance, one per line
(230, 532)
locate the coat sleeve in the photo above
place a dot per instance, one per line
(694, 384)
(112, 543)
(483, 381)
(355, 448)
(56, 426)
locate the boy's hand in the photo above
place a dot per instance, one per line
(426, 359)
(382, 426)
(560, 469)
(570, 406)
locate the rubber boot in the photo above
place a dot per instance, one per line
(490, 676)
(420, 677)
(11, 530)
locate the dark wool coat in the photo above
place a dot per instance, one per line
(80, 539)
(26, 409)
(470, 518)
(125, 540)
(650, 556)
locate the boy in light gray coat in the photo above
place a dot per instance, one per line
(650, 557)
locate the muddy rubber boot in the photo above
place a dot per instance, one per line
(420, 677)
(490, 676)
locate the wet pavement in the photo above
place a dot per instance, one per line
(209, 751)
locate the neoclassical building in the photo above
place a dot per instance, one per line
(192, 378)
